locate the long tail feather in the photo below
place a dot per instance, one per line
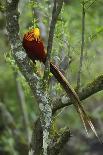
(76, 101)
(87, 121)
(82, 118)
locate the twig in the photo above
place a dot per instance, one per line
(82, 48)
(90, 4)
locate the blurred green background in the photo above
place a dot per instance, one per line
(65, 53)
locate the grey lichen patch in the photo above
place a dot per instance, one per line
(40, 92)
(15, 44)
(46, 123)
(31, 152)
(44, 99)
(15, 17)
(41, 106)
(32, 77)
(38, 85)
(65, 99)
(9, 24)
(37, 77)
(20, 55)
(9, 1)
(46, 114)
(45, 141)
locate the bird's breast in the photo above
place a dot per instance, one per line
(34, 49)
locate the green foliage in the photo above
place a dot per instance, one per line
(67, 42)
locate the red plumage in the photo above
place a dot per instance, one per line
(34, 47)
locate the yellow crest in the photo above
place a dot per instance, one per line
(36, 32)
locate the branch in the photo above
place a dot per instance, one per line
(90, 89)
(7, 121)
(22, 60)
(82, 48)
(58, 142)
(47, 110)
(55, 13)
(37, 138)
(22, 105)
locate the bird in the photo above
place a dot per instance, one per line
(35, 49)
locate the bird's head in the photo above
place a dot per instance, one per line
(33, 34)
(36, 33)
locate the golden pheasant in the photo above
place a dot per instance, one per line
(35, 50)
